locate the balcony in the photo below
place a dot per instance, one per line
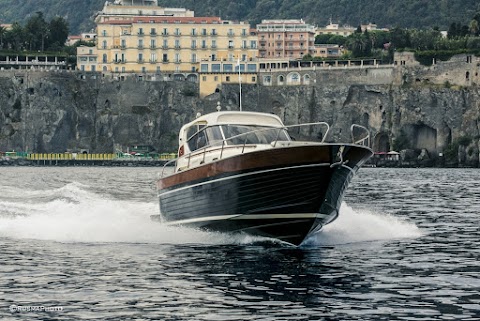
(193, 61)
(165, 47)
(177, 34)
(213, 34)
(140, 46)
(153, 47)
(177, 47)
(178, 61)
(154, 33)
(165, 34)
(140, 61)
(230, 34)
(193, 47)
(165, 61)
(153, 61)
(140, 34)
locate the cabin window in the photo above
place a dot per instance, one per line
(201, 136)
(245, 134)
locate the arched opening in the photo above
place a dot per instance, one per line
(293, 78)
(306, 79)
(192, 78)
(179, 77)
(381, 143)
(280, 80)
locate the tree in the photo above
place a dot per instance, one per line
(36, 30)
(474, 28)
(3, 32)
(58, 32)
(16, 35)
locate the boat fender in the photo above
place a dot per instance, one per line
(181, 151)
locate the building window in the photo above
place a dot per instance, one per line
(254, 79)
(104, 58)
(104, 44)
(153, 44)
(204, 44)
(214, 32)
(165, 43)
(227, 68)
(203, 68)
(215, 67)
(153, 57)
(194, 44)
(228, 78)
(153, 31)
(140, 43)
(177, 43)
(194, 57)
(177, 57)
(214, 44)
(104, 33)
(215, 78)
(204, 32)
(140, 31)
(194, 32)
(253, 44)
(280, 80)
(165, 32)
(230, 44)
(140, 57)
(267, 80)
(204, 78)
(177, 32)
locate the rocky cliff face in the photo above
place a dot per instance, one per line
(56, 112)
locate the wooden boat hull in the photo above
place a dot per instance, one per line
(285, 193)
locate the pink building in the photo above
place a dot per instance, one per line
(285, 39)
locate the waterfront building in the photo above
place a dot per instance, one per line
(87, 58)
(345, 31)
(291, 39)
(328, 51)
(335, 29)
(149, 39)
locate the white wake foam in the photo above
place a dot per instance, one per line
(75, 214)
(363, 226)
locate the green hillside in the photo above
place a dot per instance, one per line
(386, 13)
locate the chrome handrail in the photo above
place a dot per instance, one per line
(361, 141)
(203, 150)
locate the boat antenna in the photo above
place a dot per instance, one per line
(239, 83)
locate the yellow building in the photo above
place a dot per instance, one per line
(213, 74)
(87, 58)
(148, 39)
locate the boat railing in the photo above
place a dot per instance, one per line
(203, 151)
(364, 136)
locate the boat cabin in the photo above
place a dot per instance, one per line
(221, 134)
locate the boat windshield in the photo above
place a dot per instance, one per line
(249, 134)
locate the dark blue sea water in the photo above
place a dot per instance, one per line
(79, 242)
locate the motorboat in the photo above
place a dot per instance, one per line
(246, 172)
